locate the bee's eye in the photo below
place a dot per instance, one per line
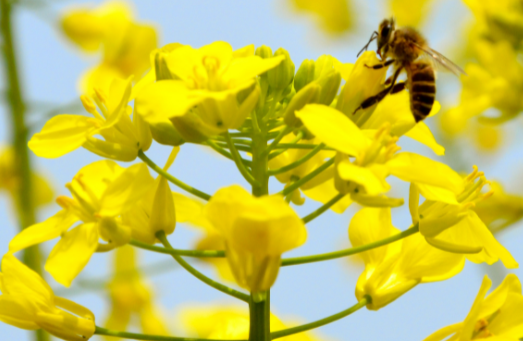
(385, 31)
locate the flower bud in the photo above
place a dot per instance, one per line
(323, 65)
(264, 52)
(330, 83)
(307, 95)
(163, 215)
(304, 75)
(187, 127)
(160, 67)
(282, 75)
(165, 133)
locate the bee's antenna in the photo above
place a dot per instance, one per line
(372, 37)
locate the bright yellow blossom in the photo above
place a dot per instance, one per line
(334, 16)
(375, 157)
(131, 296)
(27, 302)
(257, 231)
(394, 269)
(125, 44)
(453, 226)
(496, 317)
(212, 89)
(229, 322)
(10, 180)
(101, 192)
(123, 137)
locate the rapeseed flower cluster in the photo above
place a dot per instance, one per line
(253, 106)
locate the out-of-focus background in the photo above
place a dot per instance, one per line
(51, 66)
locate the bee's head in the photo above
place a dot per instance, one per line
(384, 33)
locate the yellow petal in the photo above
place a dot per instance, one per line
(60, 135)
(325, 192)
(49, 229)
(412, 167)
(18, 312)
(370, 181)
(126, 190)
(498, 297)
(435, 193)
(422, 134)
(444, 332)
(163, 215)
(72, 253)
(224, 207)
(469, 324)
(334, 129)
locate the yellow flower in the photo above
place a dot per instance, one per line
(451, 224)
(394, 269)
(499, 210)
(125, 44)
(131, 296)
(123, 137)
(495, 317)
(10, 180)
(101, 192)
(155, 211)
(229, 322)
(212, 89)
(27, 302)
(410, 12)
(374, 158)
(334, 16)
(257, 231)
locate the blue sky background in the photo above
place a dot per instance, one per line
(51, 67)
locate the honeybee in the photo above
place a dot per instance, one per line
(404, 47)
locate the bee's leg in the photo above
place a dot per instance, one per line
(398, 87)
(381, 65)
(393, 88)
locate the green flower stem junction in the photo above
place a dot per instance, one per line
(137, 336)
(172, 179)
(238, 160)
(299, 162)
(218, 286)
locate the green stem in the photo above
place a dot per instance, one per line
(301, 146)
(259, 314)
(278, 138)
(299, 162)
(351, 251)
(225, 153)
(322, 322)
(280, 150)
(323, 208)
(22, 163)
(238, 160)
(171, 178)
(307, 177)
(172, 251)
(218, 286)
(137, 336)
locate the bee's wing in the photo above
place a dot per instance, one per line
(442, 60)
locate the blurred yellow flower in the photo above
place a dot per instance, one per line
(229, 322)
(131, 296)
(333, 16)
(125, 44)
(210, 90)
(123, 137)
(494, 317)
(410, 12)
(394, 269)
(256, 231)
(27, 302)
(101, 192)
(10, 180)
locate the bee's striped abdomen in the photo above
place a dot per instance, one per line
(422, 89)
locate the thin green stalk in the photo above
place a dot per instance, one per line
(218, 286)
(137, 336)
(299, 162)
(280, 150)
(278, 138)
(238, 147)
(323, 208)
(171, 178)
(22, 163)
(301, 146)
(236, 141)
(322, 322)
(307, 177)
(186, 253)
(225, 153)
(238, 160)
(351, 251)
